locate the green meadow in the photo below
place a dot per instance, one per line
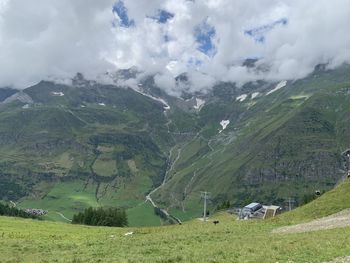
(231, 240)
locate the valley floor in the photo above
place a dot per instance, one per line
(195, 241)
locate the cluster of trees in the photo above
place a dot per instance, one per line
(6, 210)
(101, 217)
(224, 205)
(9, 188)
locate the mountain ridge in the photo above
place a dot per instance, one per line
(116, 144)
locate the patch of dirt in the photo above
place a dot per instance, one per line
(341, 219)
(341, 260)
(132, 166)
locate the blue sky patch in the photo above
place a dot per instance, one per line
(204, 35)
(122, 12)
(163, 16)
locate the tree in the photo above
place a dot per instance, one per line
(101, 217)
(6, 210)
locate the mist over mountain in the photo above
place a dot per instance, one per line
(65, 147)
(208, 40)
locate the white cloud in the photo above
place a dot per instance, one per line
(53, 38)
(167, 82)
(46, 38)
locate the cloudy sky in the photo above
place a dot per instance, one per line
(209, 39)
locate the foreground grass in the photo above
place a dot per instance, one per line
(230, 241)
(195, 241)
(330, 203)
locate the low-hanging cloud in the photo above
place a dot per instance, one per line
(207, 39)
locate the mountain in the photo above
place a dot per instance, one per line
(285, 141)
(67, 147)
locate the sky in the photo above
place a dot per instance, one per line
(207, 39)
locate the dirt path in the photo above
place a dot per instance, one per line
(76, 116)
(341, 219)
(341, 260)
(65, 218)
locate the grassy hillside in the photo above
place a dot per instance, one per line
(67, 148)
(329, 203)
(280, 145)
(64, 148)
(230, 241)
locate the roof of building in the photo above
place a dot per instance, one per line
(273, 207)
(252, 205)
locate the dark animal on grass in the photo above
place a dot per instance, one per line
(216, 222)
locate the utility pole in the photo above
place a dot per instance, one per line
(290, 202)
(205, 196)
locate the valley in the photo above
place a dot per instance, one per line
(64, 148)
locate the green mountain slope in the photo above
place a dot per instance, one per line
(331, 202)
(73, 147)
(285, 144)
(66, 147)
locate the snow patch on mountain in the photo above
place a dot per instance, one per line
(59, 94)
(242, 97)
(255, 94)
(199, 104)
(224, 124)
(166, 105)
(279, 86)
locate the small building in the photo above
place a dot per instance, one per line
(253, 210)
(271, 211)
(258, 211)
(253, 207)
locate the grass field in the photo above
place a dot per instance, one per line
(70, 198)
(330, 203)
(143, 215)
(230, 241)
(66, 198)
(194, 241)
(105, 167)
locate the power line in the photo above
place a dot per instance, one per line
(205, 196)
